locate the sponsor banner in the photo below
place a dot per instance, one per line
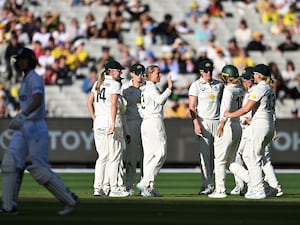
(72, 141)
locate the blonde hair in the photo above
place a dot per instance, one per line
(100, 80)
(150, 69)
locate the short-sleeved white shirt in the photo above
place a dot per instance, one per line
(209, 97)
(265, 97)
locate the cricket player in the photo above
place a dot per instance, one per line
(103, 106)
(229, 130)
(30, 138)
(154, 137)
(272, 186)
(261, 130)
(134, 152)
(205, 96)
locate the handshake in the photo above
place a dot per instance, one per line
(18, 121)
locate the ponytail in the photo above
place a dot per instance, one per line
(100, 80)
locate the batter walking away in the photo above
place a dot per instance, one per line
(30, 138)
(154, 137)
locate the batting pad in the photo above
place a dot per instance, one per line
(9, 179)
(53, 183)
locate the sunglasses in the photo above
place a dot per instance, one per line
(206, 70)
(139, 73)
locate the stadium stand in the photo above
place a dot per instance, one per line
(70, 101)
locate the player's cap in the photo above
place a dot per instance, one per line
(138, 69)
(205, 66)
(247, 73)
(113, 65)
(262, 69)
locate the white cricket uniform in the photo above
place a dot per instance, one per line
(154, 137)
(261, 131)
(209, 97)
(238, 158)
(227, 145)
(134, 150)
(108, 147)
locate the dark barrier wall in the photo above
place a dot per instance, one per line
(71, 141)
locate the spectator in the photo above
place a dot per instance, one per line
(23, 37)
(92, 31)
(194, 14)
(242, 60)
(243, 33)
(186, 63)
(12, 49)
(105, 57)
(74, 31)
(294, 29)
(82, 55)
(165, 31)
(270, 15)
(278, 84)
(215, 9)
(288, 44)
(63, 73)
(88, 82)
(38, 49)
(135, 8)
(233, 47)
(278, 27)
(42, 36)
(60, 34)
(246, 7)
(256, 44)
(46, 59)
(294, 92)
(51, 20)
(205, 31)
(289, 74)
(149, 60)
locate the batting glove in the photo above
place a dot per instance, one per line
(18, 121)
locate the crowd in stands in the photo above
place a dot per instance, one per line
(59, 45)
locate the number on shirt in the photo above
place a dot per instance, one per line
(101, 95)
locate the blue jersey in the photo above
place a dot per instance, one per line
(30, 85)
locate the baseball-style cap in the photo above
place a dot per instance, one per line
(138, 69)
(262, 69)
(113, 65)
(205, 66)
(247, 73)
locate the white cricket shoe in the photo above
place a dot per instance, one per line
(255, 195)
(206, 190)
(217, 195)
(118, 193)
(99, 192)
(147, 191)
(131, 191)
(236, 190)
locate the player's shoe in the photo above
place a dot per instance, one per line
(237, 190)
(12, 212)
(118, 193)
(130, 191)
(69, 208)
(216, 194)
(99, 192)
(206, 190)
(255, 195)
(274, 192)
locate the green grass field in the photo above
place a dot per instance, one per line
(180, 204)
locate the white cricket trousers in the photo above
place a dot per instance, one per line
(154, 139)
(109, 149)
(261, 132)
(205, 150)
(226, 147)
(134, 152)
